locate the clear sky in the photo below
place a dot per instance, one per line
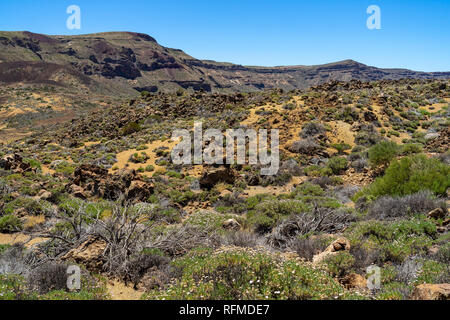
(414, 34)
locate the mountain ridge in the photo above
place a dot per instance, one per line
(126, 62)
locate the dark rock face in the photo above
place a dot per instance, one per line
(196, 85)
(213, 175)
(124, 69)
(69, 52)
(147, 88)
(15, 163)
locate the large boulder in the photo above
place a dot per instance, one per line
(89, 254)
(341, 244)
(438, 213)
(354, 281)
(213, 175)
(432, 292)
(139, 191)
(231, 224)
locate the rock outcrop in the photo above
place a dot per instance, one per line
(213, 175)
(341, 244)
(89, 254)
(92, 181)
(15, 163)
(432, 292)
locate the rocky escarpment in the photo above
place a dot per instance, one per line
(126, 62)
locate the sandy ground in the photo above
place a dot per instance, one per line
(123, 157)
(119, 291)
(20, 238)
(251, 191)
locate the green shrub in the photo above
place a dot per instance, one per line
(174, 174)
(33, 163)
(393, 291)
(31, 206)
(394, 241)
(309, 189)
(410, 175)
(131, 127)
(243, 275)
(4, 247)
(209, 221)
(341, 147)
(65, 168)
(383, 153)
(139, 158)
(411, 148)
(14, 287)
(340, 264)
(337, 164)
(181, 197)
(434, 272)
(267, 214)
(10, 224)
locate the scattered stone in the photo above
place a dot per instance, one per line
(354, 281)
(231, 224)
(432, 292)
(44, 195)
(441, 229)
(341, 244)
(437, 213)
(431, 136)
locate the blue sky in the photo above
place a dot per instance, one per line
(414, 34)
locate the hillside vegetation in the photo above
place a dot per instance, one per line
(363, 181)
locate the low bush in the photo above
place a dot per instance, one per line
(31, 206)
(130, 128)
(242, 275)
(267, 214)
(314, 221)
(307, 248)
(383, 153)
(48, 277)
(10, 224)
(388, 207)
(337, 164)
(410, 175)
(178, 240)
(411, 148)
(305, 146)
(242, 239)
(312, 129)
(340, 264)
(395, 241)
(341, 147)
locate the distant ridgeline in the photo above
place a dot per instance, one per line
(127, 63)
